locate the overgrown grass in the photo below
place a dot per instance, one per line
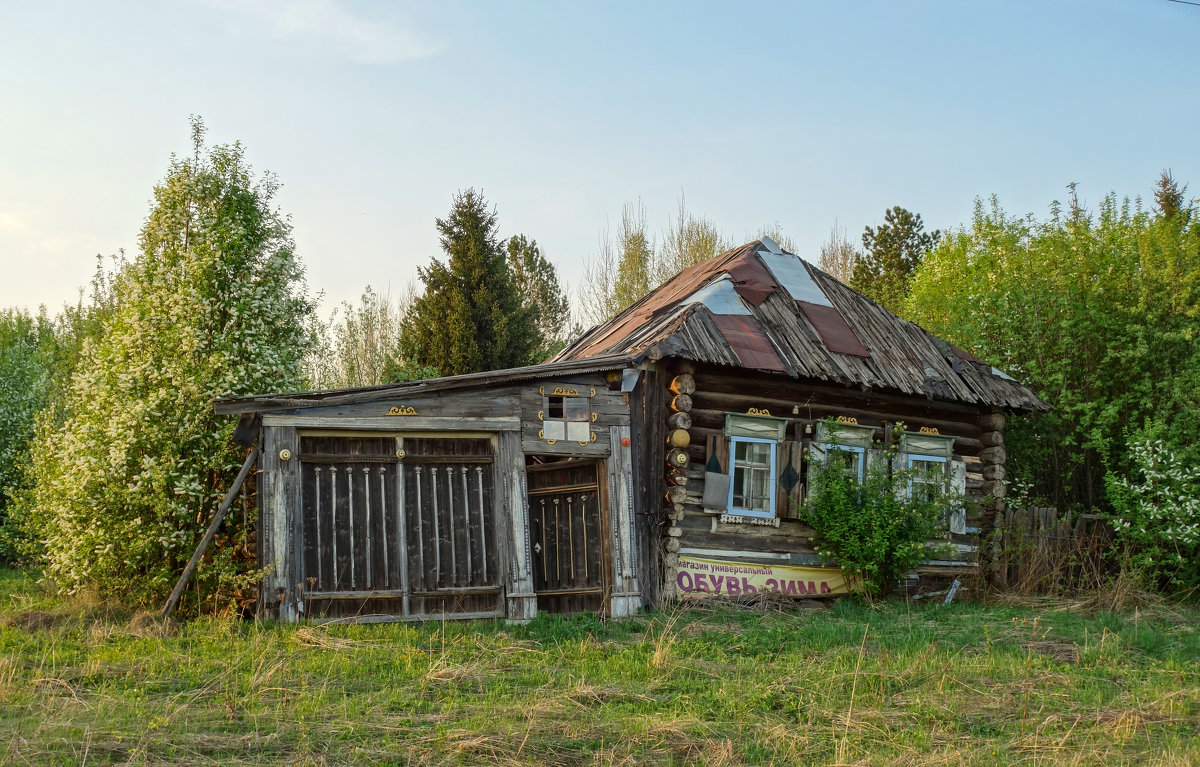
(896, 684)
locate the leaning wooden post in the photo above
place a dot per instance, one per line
(226, 502)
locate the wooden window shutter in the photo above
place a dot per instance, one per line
(789, 487)
(877, 461)
(958, 487)
(716, 459)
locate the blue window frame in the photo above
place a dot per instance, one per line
(856, 458)
(927, 478)
(752, 477)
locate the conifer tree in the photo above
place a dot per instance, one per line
(891, 254)
(541, 293)
(470, 317)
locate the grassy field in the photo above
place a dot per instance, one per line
(898, 684)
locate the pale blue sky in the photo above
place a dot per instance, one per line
(374, 114)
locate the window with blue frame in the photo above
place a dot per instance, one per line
(927, 458)
(844, 447)
(752, 486)
(927, 478)
(753, 455)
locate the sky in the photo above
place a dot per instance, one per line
(374, 114)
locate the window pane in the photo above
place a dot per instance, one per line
(752, 476)
(846, 460)
(578, 431)
(554, 430)
(928, 478)
(576, 409)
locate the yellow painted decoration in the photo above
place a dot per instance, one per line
(402, 410)
(758, 411)
(564, 391)
(928, 430)
(847, 419)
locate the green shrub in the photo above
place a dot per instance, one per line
(872, 529)
(1156, 514)
(129, 469)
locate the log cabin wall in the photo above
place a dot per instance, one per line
(715, 392)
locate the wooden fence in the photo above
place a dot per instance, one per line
(1038, 550)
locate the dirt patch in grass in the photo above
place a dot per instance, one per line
(150, 625)
(33, 620)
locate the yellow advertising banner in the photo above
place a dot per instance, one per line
(697, 576)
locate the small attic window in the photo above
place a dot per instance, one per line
(566, 414)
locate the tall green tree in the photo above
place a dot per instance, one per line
(129, 474)
(1170, 199)
(26, 363)
(470, 316)
(541, 293)
(891, 253)
(1098, 311)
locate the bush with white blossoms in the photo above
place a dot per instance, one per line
(1156, 514)
(125, 482)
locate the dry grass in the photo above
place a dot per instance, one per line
(895, 684)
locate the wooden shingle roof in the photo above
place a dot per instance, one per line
(761, 308)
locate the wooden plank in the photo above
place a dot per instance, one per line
(473, 404)
(626, 598)
(395, 425)
(210, 533)
(516, 556)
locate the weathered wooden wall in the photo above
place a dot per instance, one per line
(494, 576)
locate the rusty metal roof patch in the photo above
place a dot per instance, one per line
(748, 342)
(833, 329)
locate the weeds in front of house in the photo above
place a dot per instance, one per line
(892, 684)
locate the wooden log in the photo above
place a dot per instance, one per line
(683, 384)
(994, 488)
(211, 533)
(680, 438)
(686, 366)
(678, 458)
(992, 438)
(681, 403)
(992, 421)
(677, 494)
(680, 421)
(677, 477)
(803, 394)
(993, 471)
(993, 455)
(913, 414)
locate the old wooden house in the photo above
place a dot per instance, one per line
(664, 453)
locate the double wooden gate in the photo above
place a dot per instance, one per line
(568, 537)
(399, 527)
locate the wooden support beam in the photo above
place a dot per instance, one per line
(211, 533)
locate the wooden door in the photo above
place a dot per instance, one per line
(568, 530)
(398, 527)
